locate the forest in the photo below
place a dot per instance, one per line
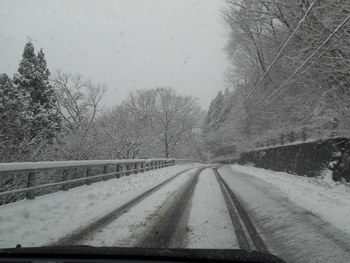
(60, 116)
(289, 75)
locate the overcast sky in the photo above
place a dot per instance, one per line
(126, 44)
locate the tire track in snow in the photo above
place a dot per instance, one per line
(291, 232)
(247, 235)
(170, 229)
(86, 231)
(209, 223)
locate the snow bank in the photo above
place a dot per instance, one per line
(50, 217)
(322, 196)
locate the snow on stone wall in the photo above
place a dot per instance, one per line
(305, 159)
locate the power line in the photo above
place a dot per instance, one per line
(303, 64)
(311, 64)
(309, 58)
(279, 53)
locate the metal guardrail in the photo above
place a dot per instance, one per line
(120, 167)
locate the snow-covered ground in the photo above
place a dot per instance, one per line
(48, 218)
(290, 213)
(300, 219)
(209, 223)
(321, 196)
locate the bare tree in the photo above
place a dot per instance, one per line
(78, 99)
(169, 115)
(125, 134)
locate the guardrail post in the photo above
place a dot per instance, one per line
(141, 166)
(127, 168)
(88, 174)
(118, 168)
(105, 171)
(135, 168)
(65, 174)
(31, 183)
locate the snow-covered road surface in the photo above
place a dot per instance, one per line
(49, 218)
(131, 227)
(209, 221)
(289, 230)
(238, 207)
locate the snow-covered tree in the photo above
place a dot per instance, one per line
(315, 97)
(176, 115)
(213, 114)
(33, 79)
(78, 103)
(170, 116)
(125, 134)
(14, 115)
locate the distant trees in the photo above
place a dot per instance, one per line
(314, 97)
(175, 116)
(60, 117)
(125, 135)
(151, 122)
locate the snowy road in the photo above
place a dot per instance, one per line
(288, 230)
(179, 214)
(195, 207)
(226, 209)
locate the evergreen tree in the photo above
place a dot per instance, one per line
(33, 79)
(14, 116)
(216, 105)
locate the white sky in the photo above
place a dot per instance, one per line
(126, 44)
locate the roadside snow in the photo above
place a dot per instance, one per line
(209, 223)
(290, 231)
(321, 196)
(50, 217)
